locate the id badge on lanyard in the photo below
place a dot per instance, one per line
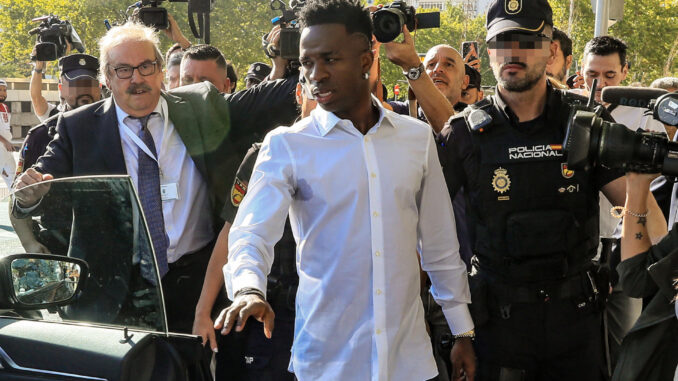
(168, 190)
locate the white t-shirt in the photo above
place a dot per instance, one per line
(45, 116)
(5, 129)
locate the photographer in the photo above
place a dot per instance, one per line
(650, 349)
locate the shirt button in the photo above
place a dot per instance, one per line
(367, 139)
(375, 214)
(378, 253)
(378, 292)
(378, 331)
(373, 175)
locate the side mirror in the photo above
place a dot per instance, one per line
(36, 281)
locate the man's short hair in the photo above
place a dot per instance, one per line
(127, 32)
(349, 13)
(565, 41)
(175, 59)
(204, 52)
(176, 48)
(665, 83)
(232, 74)
(606, 45)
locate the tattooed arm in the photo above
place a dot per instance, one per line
(639, 233)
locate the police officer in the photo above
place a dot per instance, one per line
(533, 221)
(79, 86)
(256, 74)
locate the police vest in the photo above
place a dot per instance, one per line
(534, 219)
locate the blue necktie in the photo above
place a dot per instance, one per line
(151, 201)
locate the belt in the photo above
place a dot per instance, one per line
(575, 286)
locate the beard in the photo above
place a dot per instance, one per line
(2, 99)
(532, 76)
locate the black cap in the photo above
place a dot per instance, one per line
(77, 66)
(473, 77)
(528, 16)
(258, 71)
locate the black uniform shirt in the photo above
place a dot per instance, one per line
(456, 146)
(35, 144)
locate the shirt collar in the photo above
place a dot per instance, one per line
(326, 120)
(122, 115)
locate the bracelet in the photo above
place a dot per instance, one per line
(249, 291)
(470, 334)
(619, 211)
(39, 71)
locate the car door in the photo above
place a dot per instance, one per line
(114, 326)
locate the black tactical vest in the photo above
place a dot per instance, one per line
(534, 219)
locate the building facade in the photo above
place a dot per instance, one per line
(19, 101)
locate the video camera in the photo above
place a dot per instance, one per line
(590, 140)
(389, 20)
(151, 14)
(53, 36)
(289, 30)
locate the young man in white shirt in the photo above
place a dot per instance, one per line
(365, 192)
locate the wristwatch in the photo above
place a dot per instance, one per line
(414, 73)
(470, 334)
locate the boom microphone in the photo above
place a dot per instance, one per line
(631, 96)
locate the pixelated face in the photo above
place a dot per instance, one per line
(79, 92)
(3, 94)
(607, 69)
(471, 96)
(139, 94)
(519, 60)
(333, 62)
(172, 76)
(194, 71)
(446, 68)
(560, 65)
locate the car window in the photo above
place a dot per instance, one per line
(98, 220)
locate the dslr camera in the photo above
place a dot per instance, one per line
(389, 20)
(151, 14)
(53, 36)
(591, 141)
(289, 30)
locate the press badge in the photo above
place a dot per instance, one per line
(169, 192)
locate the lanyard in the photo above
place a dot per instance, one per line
(165, 135)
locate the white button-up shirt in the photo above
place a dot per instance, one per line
(360, 207)
(187, 218)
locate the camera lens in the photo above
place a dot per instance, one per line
(388, 23)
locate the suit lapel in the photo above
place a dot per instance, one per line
(187, 124)
(108, 137)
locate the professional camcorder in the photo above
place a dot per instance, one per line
(53, 36)
(150, 13)
(590, 140)
(389, 20)
(289, 30)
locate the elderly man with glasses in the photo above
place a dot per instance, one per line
(175, 146)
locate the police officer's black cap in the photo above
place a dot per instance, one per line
(526, 16)
(474, 78)
(79, 66)
(258, 71)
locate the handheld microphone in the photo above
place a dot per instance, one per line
(631, 96)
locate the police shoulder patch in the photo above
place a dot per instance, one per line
(238, 192)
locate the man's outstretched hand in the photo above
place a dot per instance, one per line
(242, 308)
(31, 195)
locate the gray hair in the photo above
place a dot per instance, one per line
(129, 31)
(665, 83)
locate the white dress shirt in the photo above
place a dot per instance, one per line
(187, 219)
(360, 207)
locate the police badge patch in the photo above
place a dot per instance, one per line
(238, 192)
(567, 173)
(513, 7)
(501, 181)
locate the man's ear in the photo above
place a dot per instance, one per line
(297, 94)
(568, 62)
(625, 71)
(227, 85)
(465, 82)
(553, 50)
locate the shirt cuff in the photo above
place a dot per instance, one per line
(459, 319)
(243, 280)
(26, 210)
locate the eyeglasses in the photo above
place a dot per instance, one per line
(126, 71)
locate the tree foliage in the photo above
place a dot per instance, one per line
(649, 27)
